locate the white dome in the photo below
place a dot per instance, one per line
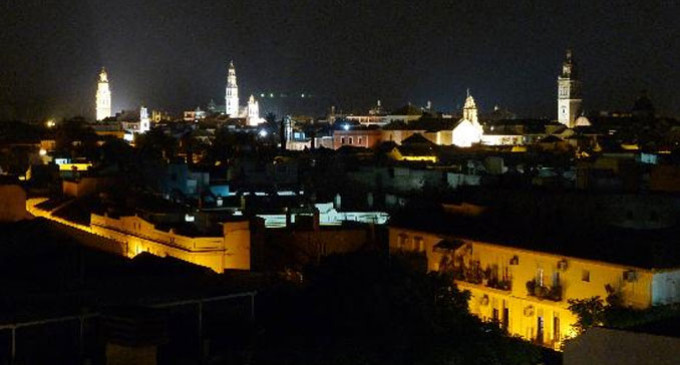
(582, 121)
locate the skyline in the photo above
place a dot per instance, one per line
(437, 54)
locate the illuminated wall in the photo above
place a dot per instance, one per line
(231, 251)
(135, 235)
(12, 203)
(501, 291)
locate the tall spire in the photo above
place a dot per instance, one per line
(231, 95)
(568, 92)
(569, 66)
(253, 116)
(103, 96)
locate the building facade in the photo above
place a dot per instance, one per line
(364, 138)
(103, 96)
(527, 291)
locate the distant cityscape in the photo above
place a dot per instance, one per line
(138, 236)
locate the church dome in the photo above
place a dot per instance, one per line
(582, 121)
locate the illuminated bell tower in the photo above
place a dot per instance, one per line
(144, 121)
(231, 97)
(470, 110)
(253, 118)
(568, 93)
(103, 97)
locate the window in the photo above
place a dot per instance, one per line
(359, 140)
(401, 241)
(506, 318)
(539, 277)
(585, 276)
(342, 140)
(351, 140)
(556, 279)
(420, 244)
(556, 328)
(540, 327)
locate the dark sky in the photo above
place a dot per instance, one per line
(172, 54)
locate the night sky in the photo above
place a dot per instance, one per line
(173, 54)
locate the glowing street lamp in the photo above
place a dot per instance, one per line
(263, 133)
(345, 126)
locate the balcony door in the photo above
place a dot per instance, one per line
(506, 318)
(540, 329)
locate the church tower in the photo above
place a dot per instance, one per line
(144, 121)
(468, 131)
(568, 93)
(103, 97)
(470, 109)
(231, 97)
(253, 118)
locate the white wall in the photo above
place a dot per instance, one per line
(666, 288)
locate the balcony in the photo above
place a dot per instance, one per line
(499, 284)
(542, 292)
(474, 274)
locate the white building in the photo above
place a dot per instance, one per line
(103, 96)
(253, 112)
(468, 131)
(144, 121)
(194, 115)
(568, 93)
(231, 96)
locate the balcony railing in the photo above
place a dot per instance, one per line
(553, 293)
(475, 275)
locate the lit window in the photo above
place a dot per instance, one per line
(420, 244)
(585, 275)
(401, 241)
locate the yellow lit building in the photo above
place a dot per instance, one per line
(420, 155)
(527, 291)
(134, 235)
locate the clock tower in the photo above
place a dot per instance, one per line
(231, 96)
(568, 93)
(103, 96)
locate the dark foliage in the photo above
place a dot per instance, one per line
(372, 309)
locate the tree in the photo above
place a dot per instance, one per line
(368, 308)
(156, 144)
(590, 312)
